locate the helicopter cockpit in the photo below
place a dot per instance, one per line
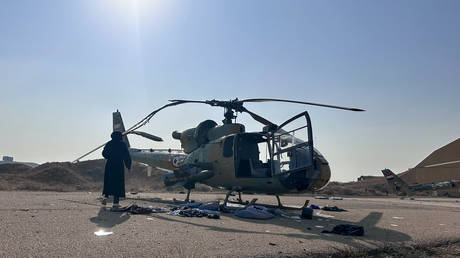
(249, 160)
(261, 155)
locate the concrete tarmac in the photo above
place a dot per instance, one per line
(52, 224)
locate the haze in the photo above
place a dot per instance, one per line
(66, 66)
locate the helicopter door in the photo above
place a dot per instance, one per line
(292, 145)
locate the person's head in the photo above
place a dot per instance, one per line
(116, 136)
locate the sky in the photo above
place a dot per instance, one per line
(65, 66)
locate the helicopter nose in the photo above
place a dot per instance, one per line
(324, 177)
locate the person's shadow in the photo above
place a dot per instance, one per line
(107, 219)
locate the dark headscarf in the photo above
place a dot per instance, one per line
(116, 136)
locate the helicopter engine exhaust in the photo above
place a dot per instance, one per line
(176, 135)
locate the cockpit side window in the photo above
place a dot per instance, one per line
(228, 147)
(249, 161)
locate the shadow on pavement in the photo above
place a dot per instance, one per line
(309, 229)
(107, 219)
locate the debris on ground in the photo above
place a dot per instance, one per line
(332, 208)
(102, 233)
(284, 214)
(188, 212)
(307, 213)
(254, 212)
(213, 216)
(196, 209)
(135, 209)
(190, 205)
(213, 206)
(213, 209)
(319, 214)
(346, 230)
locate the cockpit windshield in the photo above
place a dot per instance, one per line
(292, 146)
(264, 155)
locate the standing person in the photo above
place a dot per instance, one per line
(117, 154)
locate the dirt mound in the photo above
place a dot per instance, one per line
(81, 176)
(368, 187)
(8, 168)
(56, 173)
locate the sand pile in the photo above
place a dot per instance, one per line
(55, 174)
(8, 168)
(368, 187)
(81, 176)
(66, 176)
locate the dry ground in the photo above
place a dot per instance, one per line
(51, 224)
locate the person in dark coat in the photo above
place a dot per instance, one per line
(117, 154)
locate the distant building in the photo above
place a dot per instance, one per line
(7, 159)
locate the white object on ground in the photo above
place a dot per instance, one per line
(102, 233)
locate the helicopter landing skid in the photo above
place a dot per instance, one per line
(187, 199)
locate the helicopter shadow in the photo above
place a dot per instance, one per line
(107, 219)
(157, 200)
(312, 229)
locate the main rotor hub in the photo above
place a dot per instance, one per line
(234, 104)
(230, 107)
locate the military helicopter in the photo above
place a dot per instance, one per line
(271, 161)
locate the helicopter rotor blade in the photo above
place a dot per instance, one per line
(257, 117)
(139, 124)
(147, 135)
(240, 109)
(302, 102)
(146, 119)
(86, 154)
(213, 102)
(187, 101)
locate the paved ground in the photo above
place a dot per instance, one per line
(50, 224)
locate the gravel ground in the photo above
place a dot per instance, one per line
(52, 224)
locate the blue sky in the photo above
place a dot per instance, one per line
(66, 65)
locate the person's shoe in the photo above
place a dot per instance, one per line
(115, 207)
(104, 201)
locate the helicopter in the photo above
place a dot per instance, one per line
(271, 161)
